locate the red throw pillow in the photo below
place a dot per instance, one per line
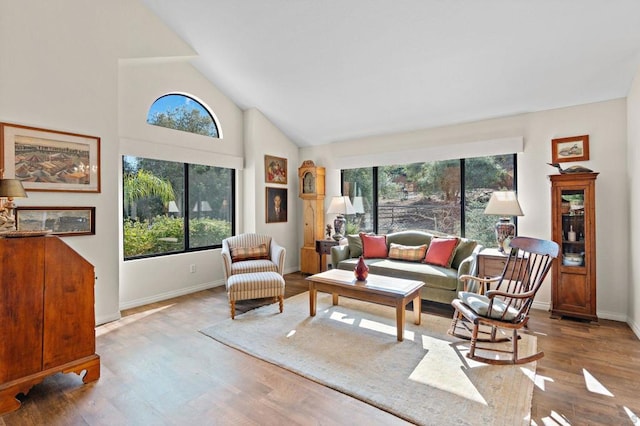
(373, 246)
(441, 251)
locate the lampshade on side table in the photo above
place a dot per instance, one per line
(504, 204)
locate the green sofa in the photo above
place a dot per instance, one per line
(442, 284)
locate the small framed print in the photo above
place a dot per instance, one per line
(49, 160)
(62, 221)
(275, 169)
(574, 148)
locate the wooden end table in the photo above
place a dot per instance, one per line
(323, 247)
(396, 292)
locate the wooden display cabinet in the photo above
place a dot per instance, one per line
(47, 320)
(573, 218)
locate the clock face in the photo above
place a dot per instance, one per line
(308, 183)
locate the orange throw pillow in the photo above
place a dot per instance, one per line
(373, 246)
(441, 251)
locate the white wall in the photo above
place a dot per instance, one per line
(263, 138)
(605, 122)
(140, 84)
(633, 179)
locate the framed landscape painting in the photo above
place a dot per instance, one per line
(63, 221)
(49, 160)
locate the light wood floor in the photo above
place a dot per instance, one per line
(158, 370)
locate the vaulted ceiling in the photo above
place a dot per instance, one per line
(330, 70)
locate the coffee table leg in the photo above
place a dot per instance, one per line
(417, 310)
(335, 298)
(312, 300)
(400, 319)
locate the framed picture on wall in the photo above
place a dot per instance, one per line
(275, 169)
(276, 205)
(49, 160)
(63, 221)
(574, 148)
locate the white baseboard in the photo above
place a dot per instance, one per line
(170, 294)
(634, 327)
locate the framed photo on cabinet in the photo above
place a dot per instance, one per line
(49, 160)
(574, 148)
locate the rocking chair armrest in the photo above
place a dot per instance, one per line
(493, 293)
(483, 280)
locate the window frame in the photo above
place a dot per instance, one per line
(375, 193)
(187, 216)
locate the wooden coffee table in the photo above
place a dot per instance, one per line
(376, 289)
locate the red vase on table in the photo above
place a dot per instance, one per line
(362, 270)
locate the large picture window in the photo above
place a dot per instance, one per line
(444, 196)
(172, 207)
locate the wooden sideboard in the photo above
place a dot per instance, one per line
(47, 319)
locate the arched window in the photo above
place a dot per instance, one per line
(182, 112)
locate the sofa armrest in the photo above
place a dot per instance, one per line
(277, 254)
(226, 261)
(468, 267)
(338, 254)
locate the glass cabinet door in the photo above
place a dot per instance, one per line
(573, 227)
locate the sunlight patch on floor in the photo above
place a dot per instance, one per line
(632, 416)
(443, 368)
(554, 419)
(371, 325)
(106, 328)
(593, 385)
(537, 379)
(291, 333)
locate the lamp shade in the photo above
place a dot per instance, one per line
(503, 203)
(341, 205)
(358, 205)
(12, 188)
(173, 207)
(204, 206)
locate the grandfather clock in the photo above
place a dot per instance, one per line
(311, 190)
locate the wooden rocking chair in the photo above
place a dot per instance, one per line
(507, 305)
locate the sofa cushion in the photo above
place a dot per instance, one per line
(441, 251)
(408, 253)
(465, 249)
(355, 245)
(409, 238)
(373, 246)
(249, 253)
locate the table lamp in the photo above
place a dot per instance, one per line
(9, 189)
(504, 204)
(340, 205)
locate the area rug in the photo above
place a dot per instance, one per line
(352, 347)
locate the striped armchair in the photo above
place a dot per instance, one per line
(252, 253)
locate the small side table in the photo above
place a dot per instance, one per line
(491, 263)
(323, 247)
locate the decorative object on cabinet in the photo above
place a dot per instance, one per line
(573, 283)
(340, 205)
(504, 204)
(9, 189)
(62, 221)
(572, 169)
(574, 148)
(275, 169)
(276, 205)
(49, 160)
(47, 315)
(311, 191)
